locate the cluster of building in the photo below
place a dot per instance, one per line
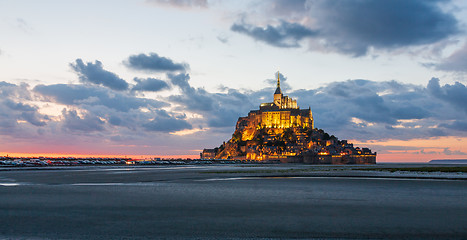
(281, 131)
(6, 161)
(59, 161)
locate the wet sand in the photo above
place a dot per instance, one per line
(211, 202)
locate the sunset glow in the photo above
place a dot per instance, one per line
(173, 79)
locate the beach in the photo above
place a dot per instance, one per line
(230, 201)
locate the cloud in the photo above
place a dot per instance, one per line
(186, 4)
(26, 112)
(181, 80)
(222, 39)
(149, 84)
(459, 125)
(351, 27)
(456, 62)
(218, 109)
(23, 25)
(166, 123)
(287, 7)
(16, 113)
(86, 123)
(95, 73)
(19, 106)
(358, 109)
(448, 151)
(369, 110)
(154, 63)
(455, 94)
(76, 95)
(9, 90)
(104, 108)
(285, 35)
(353, 109)
(361, 109)
(354, 27)
(192, 98)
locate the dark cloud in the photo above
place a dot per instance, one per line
(166, 123)
(180, 80)
(149, 84)
(459, 125)
(13, 112)
(455, 94)
(103, 107)
(286, 35)
(353, 27)
(456, 62)
(223, 117)
(95, 73)
(448, 151)
(192, 98)
(218, 109)
(114, 120)
(181, 3)
(367, 110)
(154, 63)
(26, 112)
(365, 101)
(287, 7)
(70, 94)
(86, 123)
(14, 109)
(353, 109)
(360, 109)
(19, 106)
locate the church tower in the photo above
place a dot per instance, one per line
(278, 92)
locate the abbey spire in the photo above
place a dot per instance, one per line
(278, 89)
(278, 80)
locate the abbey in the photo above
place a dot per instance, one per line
(281, 131)
(283, 112)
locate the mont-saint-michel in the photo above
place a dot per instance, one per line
(282, 132)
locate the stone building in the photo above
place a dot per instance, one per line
(283, 112)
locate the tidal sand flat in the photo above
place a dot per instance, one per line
(225, 201)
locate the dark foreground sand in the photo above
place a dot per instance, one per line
(211, 202)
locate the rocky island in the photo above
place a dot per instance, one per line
(282, 132)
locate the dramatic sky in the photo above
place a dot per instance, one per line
(169, 78)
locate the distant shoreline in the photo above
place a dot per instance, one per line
(448, 161)
(403, 171)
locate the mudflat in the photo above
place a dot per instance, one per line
(229, 201)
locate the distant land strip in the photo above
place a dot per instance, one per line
(418, 169)
(450, 161)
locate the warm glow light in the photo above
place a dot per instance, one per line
(58, 155)
(189, 131)
(418, 150)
